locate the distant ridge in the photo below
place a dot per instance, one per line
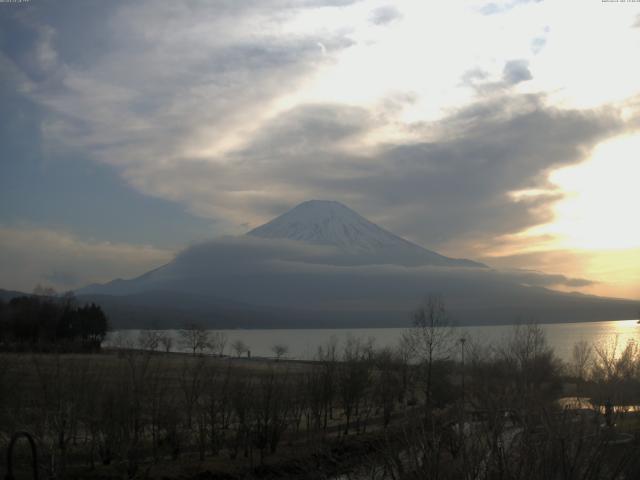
(6, 295)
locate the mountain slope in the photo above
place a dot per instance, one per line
(321, 264)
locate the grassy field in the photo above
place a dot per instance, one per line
(174, 413)
(361, 412)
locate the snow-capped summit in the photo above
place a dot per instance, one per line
(325, 222)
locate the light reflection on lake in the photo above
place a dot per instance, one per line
(303, 343)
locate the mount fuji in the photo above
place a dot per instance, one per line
(323, 265)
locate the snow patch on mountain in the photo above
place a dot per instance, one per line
(324, 222)
(328, 223)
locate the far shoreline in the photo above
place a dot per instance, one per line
(376, 327)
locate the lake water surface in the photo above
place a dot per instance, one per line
(303, 343)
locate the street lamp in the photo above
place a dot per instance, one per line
(464, 450)
(462, 342)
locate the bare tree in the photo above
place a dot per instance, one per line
(604, 364)
(194, 337)
(615, 372)
(404, 355)
(354, 375)
(122, 340)
(216, 407)
(192, 381)
(431, 338)
(239, 347)
(526, 344)
(581, 357)
(269, 412)
(166, 340)
(530, 373)
(280, 350)
(386, 383)
(149, 340)
(63, 390)
(327, 356)
(218, 343)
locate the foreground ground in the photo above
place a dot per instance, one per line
(354, 413)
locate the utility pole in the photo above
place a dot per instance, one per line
(462, 342)
(462, 415)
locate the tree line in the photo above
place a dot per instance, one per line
(47, 322)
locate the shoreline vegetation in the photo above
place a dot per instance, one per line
(438, 405)
(46, 321)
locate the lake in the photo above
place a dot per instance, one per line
(303, 343)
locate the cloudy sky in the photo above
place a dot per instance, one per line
(506, 132)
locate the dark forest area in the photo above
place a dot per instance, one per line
(48, 322)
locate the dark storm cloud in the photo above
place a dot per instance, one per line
(459, 186)
(435, 192)
(455, 189)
